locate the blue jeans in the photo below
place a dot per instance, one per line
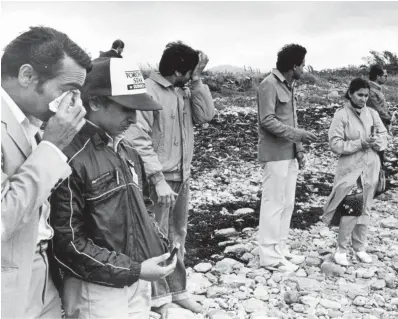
(173, 222)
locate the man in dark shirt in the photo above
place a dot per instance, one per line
(115, 52)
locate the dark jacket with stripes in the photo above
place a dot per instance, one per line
(102, 229)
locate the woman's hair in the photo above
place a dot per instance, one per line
(356, 85)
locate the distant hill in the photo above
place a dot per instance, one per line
(227, 68)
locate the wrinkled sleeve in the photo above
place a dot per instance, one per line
(201, 102)
(381, 133)
(267, 99)
(25, 191)
(378, 103)
(75, 251)
(140, 136)
(337, 141)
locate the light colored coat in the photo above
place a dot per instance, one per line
(27, 180)
(165, 138)
(345, 135)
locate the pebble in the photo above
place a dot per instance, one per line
(332, 269)
(225, 233)
(254, 305)
(291, 297)
(329, 304)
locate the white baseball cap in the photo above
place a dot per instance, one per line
(121, 81)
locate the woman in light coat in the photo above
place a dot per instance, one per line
(350, 137)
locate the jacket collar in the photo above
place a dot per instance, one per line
(375, 85)
(13, 123)
(98, 136)
(158, 78)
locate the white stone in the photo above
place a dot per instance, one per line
(198, 284)
(236, 249)
(243, 211)
(329, 304)
(225, 233)
(254, 305)
(203, 267)
(261, 293)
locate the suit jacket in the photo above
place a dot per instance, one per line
(27, 180)
(110, 54)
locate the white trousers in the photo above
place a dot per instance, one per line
(277, 204)
(86, 300)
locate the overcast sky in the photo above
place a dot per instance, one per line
(238, 33)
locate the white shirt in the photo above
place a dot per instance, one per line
(31, 127)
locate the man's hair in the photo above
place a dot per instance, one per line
(118, 44)
(44, 49)
(356, 85)
(289, 56)
(375, 70)
(178, 57)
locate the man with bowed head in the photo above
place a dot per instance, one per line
(37, 67)
(105, 240)
(165, 141)
(280, 152)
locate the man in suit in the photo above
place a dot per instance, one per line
(115, 52)
(36, 67)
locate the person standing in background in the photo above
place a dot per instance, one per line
(280, 152)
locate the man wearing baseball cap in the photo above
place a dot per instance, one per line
(105, 241)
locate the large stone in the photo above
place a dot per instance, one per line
(298, 308)
(333, 95)
(360, 301)
(332, 269)
(243, 211)
(214, 292)
(237, 249)
(291, 297)
(261, 293)
(329, 304)
(307, 284)
(203, 267)
(379, 284)
(218, 314)
(254, 305)
(198, 284)
(390, 222)
(309, 300)
(233, 281)
(224, 266)
(179, 313)
(313, 261)
(225, 233)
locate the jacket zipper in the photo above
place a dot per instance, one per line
(126, 178)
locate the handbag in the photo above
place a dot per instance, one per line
(351, 205)
(381, 184)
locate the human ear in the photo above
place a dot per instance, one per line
(27, 75)
(94, 105)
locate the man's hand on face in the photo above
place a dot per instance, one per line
(203, 60)
(151, 271)
(69, 119)
(166, 196)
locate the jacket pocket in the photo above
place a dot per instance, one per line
(283, 97)
(103, 185)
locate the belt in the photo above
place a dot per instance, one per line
(41, 246)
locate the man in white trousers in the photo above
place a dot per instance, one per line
(280, 152)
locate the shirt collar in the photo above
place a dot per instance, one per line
(105, 137)
(16, 111)
(158, 78)
(281, 78)
(115, 50)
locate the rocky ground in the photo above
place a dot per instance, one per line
(222, 254)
